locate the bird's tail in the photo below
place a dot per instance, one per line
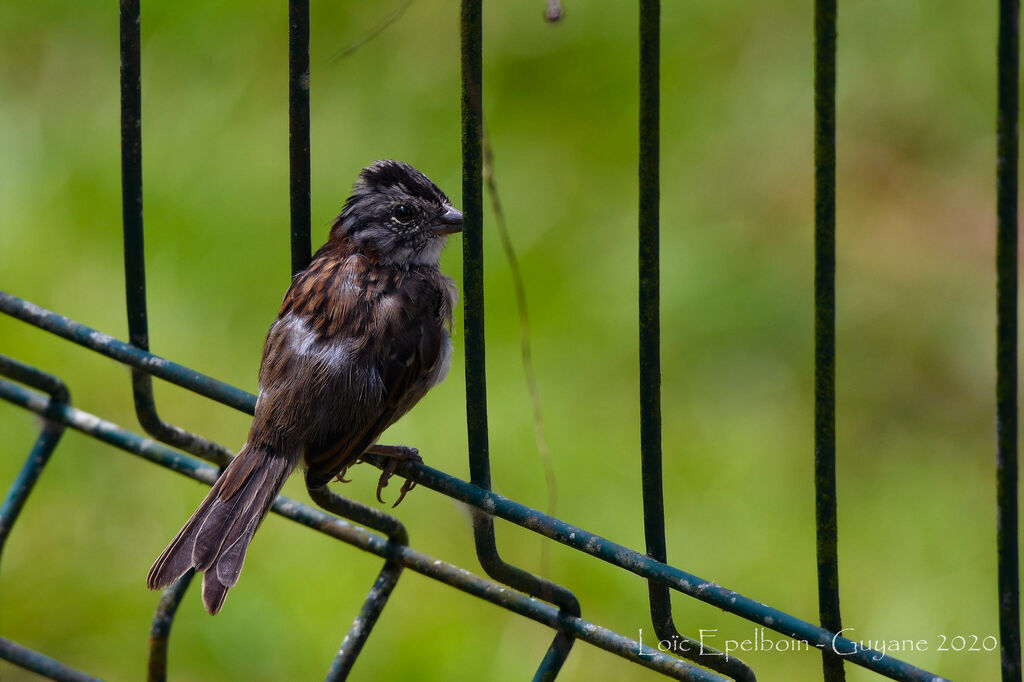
(215, 539)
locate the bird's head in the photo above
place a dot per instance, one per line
(397, 216)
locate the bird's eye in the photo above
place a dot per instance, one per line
(403, 213)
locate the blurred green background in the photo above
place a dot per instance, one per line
(915, 371)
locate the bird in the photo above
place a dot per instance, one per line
(362, 334)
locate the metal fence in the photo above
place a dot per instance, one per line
(531, 596)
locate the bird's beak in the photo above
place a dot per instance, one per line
(450, 221)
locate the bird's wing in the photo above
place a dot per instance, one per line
(405, 341)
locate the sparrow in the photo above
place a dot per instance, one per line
(362, 335)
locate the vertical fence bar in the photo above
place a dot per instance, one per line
(1006, 338)
(160, 630)
(131, 172)
(825, 326)
(27, 478)
(471, 28)
(353, 643)
(134, 248)
(51, 433)
(17, 496)
(649, 306)
(650, 345)
(298, 131)
(378, 596)
(473, 243)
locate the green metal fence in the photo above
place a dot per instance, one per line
(532, 597)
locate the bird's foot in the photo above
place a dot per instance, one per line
(395, 454)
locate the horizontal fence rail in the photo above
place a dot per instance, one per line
(486, 501)
(352, 534)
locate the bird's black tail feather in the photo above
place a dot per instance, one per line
(215, 539)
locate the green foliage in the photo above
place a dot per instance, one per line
(915, 318)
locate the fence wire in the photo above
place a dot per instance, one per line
(513, 588)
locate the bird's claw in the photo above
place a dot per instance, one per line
(405, 454)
